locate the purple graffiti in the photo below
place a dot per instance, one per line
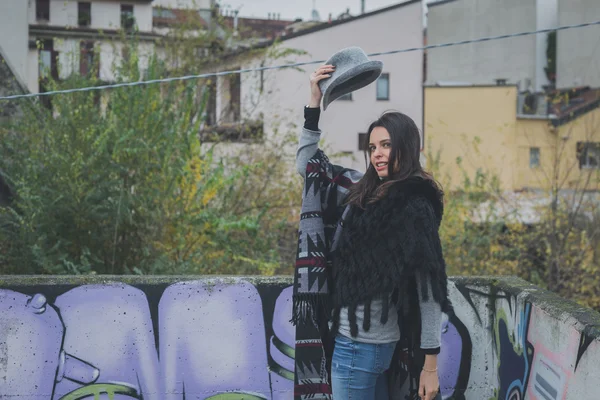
(109, 326)
(212, 340)
(281, 347)
(31, 334)
(450, 357)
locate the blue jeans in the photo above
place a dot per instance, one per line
(357, 369)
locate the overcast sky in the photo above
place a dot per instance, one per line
(291, 9)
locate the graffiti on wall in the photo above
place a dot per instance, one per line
(520, 351)
(193, 340)
(232, 340)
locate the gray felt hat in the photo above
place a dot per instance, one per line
(353, 70)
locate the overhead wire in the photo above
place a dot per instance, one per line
(293, 65)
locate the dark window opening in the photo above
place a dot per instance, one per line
(87, 61)
(84, 14)
(48, 60)
(48, 69)
(211, 103)
(362, 142)
(42, 10)
(235, 95)
(534, 157)
(588, 154)
(127, 18)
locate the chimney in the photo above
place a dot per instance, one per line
(269, 16)
(362, 6)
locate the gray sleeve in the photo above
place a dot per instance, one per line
(307, 147)
(431, 319)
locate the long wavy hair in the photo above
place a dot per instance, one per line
(403, 161)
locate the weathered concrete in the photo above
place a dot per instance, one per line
(9, 85)
(179, 337)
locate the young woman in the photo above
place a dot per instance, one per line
(389, 284)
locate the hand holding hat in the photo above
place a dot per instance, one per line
(352, 70)
(323, 72)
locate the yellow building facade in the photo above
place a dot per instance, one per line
(486, 129)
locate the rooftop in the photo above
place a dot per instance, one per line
(568, 104)
(170, 17)
(258, 27)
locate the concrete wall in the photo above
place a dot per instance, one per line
(481, 63)
(578, 61)
(163, 338)
(13, 19)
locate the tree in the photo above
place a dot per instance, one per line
(121, 181)
(568, 231)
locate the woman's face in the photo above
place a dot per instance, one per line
(380, 147)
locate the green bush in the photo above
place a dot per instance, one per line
(118, 182)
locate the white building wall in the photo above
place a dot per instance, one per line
(33, 71)
(143, 17)
(106, 15)
(68, 56)
(31, 11)
(578, 58)
(286, 91)
(14, 35)
(110, 54)
(63, 13)
(111, 57)
(482, 63)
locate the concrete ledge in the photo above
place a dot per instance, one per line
(554, 305)
(546, 300)
(202, 336)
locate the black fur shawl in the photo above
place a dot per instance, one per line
(383, 247)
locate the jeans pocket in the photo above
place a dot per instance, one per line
(385, 352)
(343, 352)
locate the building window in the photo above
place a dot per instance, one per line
(87, 59)
(127, 18)
(42, 10)
(211, 103)
(235, 95)
(48, 67)
(534, 157)
(362, 142)
(346, 97)
(383, 87)
(588, 154)
(84, 13)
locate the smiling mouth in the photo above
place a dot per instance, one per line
(380, 165)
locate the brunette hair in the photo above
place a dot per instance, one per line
(403, 161)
